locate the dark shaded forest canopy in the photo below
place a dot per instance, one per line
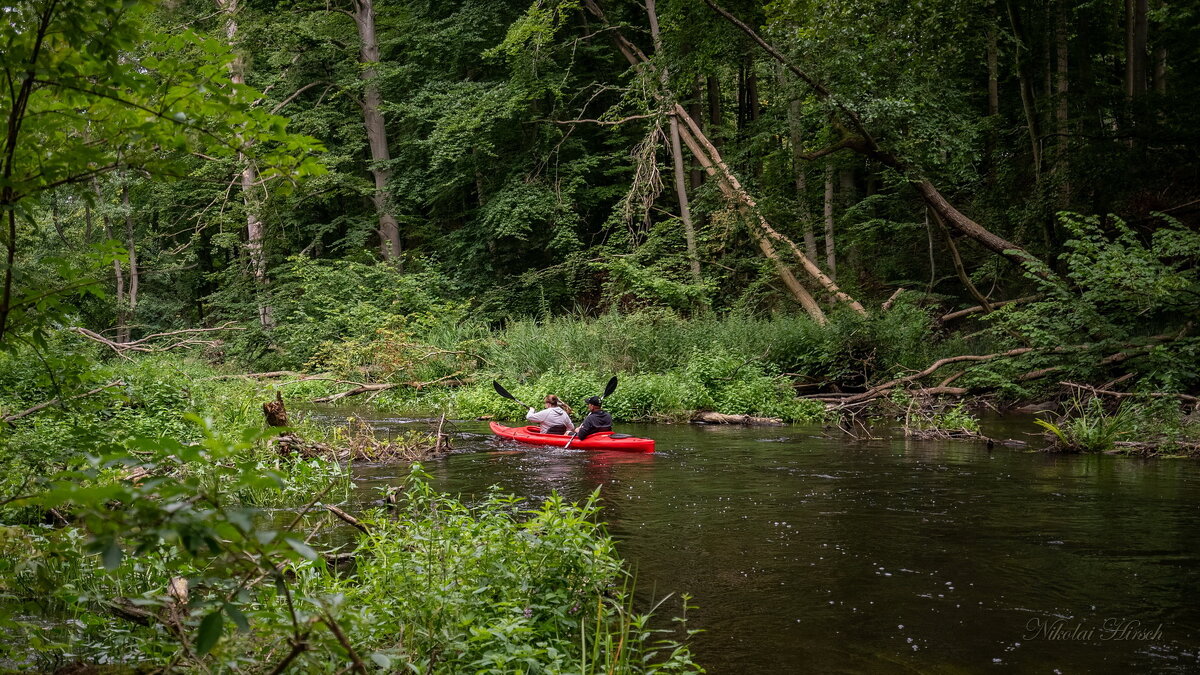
(1006, 174)
(513, 158)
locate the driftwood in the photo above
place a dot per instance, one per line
(720, 418)
(42, 406)
(347, 518)
(882, 389)
(887, 304)
(944, 434)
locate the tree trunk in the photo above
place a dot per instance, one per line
(1028, 100)
(133, 266)
(695, 109)
(255, 229)
(389, 228)
(118, 271)
(734, 190)
(1159, 55)
(799, 170)
(993, 70)
(993, 99)
(741, 101)
(1136, 34)
(1160, 70)
(830, 250)
(685, 214)
(1062, 107)
(789, 280)
(709, 157)
(714, 109)
(860, 140)
(752, 102)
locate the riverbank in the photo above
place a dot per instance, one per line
(158, 522)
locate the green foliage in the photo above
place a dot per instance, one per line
(1087, 426)
(150, 99)
(438, 586)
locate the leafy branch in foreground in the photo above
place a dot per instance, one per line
(180, 571)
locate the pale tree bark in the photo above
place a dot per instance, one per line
(830, 249)
(710, 158)
(372, 103)
(739, 193)
(118, 271)
(798, 291)
(255, 228)
(800, 173)
(131, 243)
(685, 212)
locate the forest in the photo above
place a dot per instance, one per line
(845, 213)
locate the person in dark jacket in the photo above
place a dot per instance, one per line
(597, 419)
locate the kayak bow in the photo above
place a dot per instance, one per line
(601, 440)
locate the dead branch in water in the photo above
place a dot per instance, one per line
(720, 418)
(881, 389)
(347, 518)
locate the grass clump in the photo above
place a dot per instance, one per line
(1088, 426)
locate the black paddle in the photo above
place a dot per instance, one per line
(608, 390)
(504, 392)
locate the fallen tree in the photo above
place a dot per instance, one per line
(710, 159)
(858, 139)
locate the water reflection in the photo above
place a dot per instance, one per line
(814, 553)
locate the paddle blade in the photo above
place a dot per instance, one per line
(502, 391)
(610, 387)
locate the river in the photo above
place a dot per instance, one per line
(810, 552)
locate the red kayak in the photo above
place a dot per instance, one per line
(601, 440)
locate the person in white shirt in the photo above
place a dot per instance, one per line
(554, 419)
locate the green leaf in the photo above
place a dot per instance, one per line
(112, 556)
(237, 617)
(302, 548)
(382, 660)
(210, 632)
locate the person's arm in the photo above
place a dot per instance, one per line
(585, 428)
(537, 416)
(570, 422)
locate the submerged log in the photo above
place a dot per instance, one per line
(748, 420)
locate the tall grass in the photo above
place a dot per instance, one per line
(1087, 426)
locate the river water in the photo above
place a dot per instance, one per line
(811, 552)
